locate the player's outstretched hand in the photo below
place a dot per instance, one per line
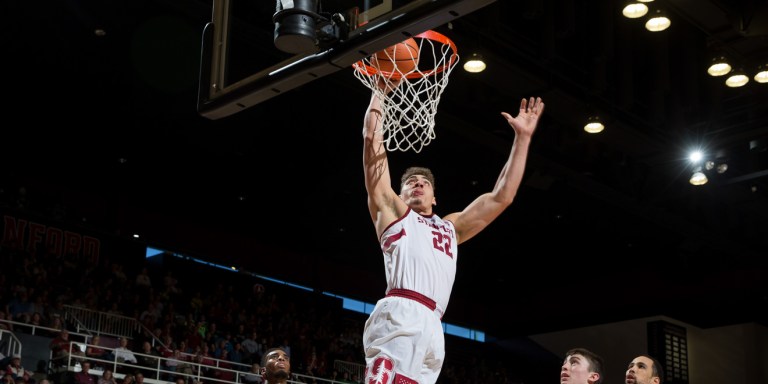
(527, 118)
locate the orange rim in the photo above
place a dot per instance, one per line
(432, 35)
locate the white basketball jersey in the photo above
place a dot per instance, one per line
(420, 255)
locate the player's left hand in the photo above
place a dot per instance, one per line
(526, 120)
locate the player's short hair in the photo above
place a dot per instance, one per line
(423, 171)
(595, 361)
(658, 370)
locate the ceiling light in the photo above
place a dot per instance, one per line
(645, 1)
(594, 125)
(737, 79)
(658, 22)
(475, 64)
(762, 74)
(719, 66)
(698, 177)
(695, 156)
(634, 10)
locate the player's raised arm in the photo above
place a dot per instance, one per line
(382, 199)
(483, 210)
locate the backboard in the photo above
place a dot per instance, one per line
(238, 72)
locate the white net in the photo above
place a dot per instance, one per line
(409, 110)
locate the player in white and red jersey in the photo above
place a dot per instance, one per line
(403, 337)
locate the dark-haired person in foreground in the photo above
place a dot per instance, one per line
(276, 366)
(644, 369)
(581, 366)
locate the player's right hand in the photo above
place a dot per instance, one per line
(387, 84)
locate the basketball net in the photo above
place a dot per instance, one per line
(409, 110)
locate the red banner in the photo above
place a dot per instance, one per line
(40, 236)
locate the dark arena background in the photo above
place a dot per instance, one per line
(259, 219)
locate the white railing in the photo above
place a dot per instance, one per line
(101, 322)
(11, 344)
(77, 354)
(351, 368)
(33, 329)
(159, 373)
(193, 372)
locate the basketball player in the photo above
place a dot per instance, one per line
(581, 366)
(403, 337)
(276, 366)
(644, 370)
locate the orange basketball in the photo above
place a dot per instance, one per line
(402, 57)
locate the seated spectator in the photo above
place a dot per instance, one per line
(36, 319)
(123, 354)
(15, 369)
(173, 363)
(8, 379)
(56, 326)
(20, 308)
(139, 377)
(225, 369)
(128, 379)
(315, 364)
(107, 377)
(62, 349)
(149, 359)
(60, 345)
(85, 376)
(165, 349)
(202, 364)
(252, 348)
(4, 324)
(143, 281)
(253, 376)
(236, 354)
(27, 378)
(95, 352)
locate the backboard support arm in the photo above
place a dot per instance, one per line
(218, 100)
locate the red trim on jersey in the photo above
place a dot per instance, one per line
(395, 222)
(393, 238)
(413, 295)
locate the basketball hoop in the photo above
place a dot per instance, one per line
(409, 110)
